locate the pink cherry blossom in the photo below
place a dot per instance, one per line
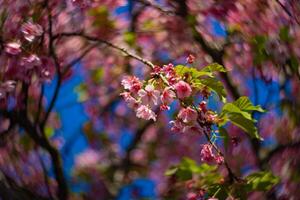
(183, 89)
(149, 95)
(132, 84)
(13, 48)
(156, 71)
(46, 70)
(190, 59)
(177, 126)
(146, 113)
(31, 30)
(168, 70)
(202, 106)
(131, 101)
(167, 96)
(187, 115)
(31, 61)
(207, 153)
(191, 196)
(164, 107)
(219, 159)
(89, 158)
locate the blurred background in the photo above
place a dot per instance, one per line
(72, 100)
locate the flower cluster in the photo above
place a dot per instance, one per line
(207, 155)
(22, 61)
(144, 97)
(161, 90)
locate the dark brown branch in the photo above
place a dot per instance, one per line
(57, 66)
(288, 12)
(137, 137)
(10, 190)
(95, 39)
(45, 174)
(40, 102)
(35, 133)
(158, 7)
(76, 60)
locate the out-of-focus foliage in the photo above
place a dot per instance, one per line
(66, 133)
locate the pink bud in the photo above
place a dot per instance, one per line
(190, 59)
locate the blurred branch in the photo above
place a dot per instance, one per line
(280, 149)
(45, 174)
(137, 138)
(112, 45)
(10, 190)
(76, 60)
(34, 131)
(40, 102)
(158, 7)
(52, 54)
(286, 10)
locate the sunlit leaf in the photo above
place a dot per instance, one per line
(262, 181)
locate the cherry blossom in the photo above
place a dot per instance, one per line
(167, 96)
(13, 48)
(183, 89)
(146, 113)
(177, 125)
(190, 59)
(132, 84)
(149, 95)
(187, 115)
(31, 30)
(207, 153)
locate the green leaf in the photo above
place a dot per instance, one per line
(218, 191)
(81, 90)
(239, 113)
(261, 181)
(284, 34)
(204, 77)
(182, 70)
(260, 53)
(231, 108)
(184, 174)
(129, 38)
(216, 86)
(245, 124)
(245, 105)
(171, 171)
(49, 131)
(101, 17)
(214, 67)
(97, 74)
(293, 63)
(187, 167)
